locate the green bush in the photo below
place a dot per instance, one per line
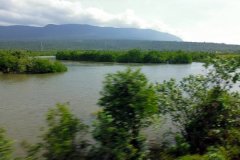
(5, 147)
(131, 56)
(128, 102)
(45, 66)
(63, 139)
(192, 157)
(204, 108)
(20, 62)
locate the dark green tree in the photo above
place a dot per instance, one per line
(204, 107)
(63, 139)
(128, 102)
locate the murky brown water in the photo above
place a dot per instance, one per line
(25, 99)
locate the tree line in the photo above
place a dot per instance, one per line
(133, 56)
(22, 62)
(130, 56)
(111, 44)
(204, 109)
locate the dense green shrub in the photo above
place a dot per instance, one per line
(5, 147)
(180, 58)
(140, 56)
(63, 139)
(205, 109)
(131, 56)
(155, 57)
(12, 62)
(21, 62)
(128, 101)
(45, 66)
(60, 140)
(213, 153)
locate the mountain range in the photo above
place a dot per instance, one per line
(80, 32)
(82, 36)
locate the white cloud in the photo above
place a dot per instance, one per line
(220, 25)
(40, 13)
(192, 20)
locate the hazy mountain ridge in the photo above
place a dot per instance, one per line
(81, 32)
(82, 36)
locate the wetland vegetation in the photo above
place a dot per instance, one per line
(204, 109)
(23, 62)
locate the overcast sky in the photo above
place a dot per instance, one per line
(192, 20)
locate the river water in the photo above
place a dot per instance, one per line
(25, 99)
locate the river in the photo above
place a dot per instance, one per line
(25, 98)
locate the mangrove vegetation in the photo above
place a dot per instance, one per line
(132, 56)
(204, 109)
(22, 62)
(140, 56)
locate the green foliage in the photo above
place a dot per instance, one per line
(204, 108)
(225, 71)
(45, 66)
(63, 138)
(127, 95)
(131, 56)
(111, 44)
(128, 103)
(113, 142)
(5, 147)
(13, 62)
(181, 147)
(96, 56)
(192, 157)
(213, 153)
(21, 62)
(60, 139)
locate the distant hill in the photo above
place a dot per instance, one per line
(80, 32)
(78, 36)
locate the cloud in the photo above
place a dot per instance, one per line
(220, 25)
(40, 13)
(210, 21)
